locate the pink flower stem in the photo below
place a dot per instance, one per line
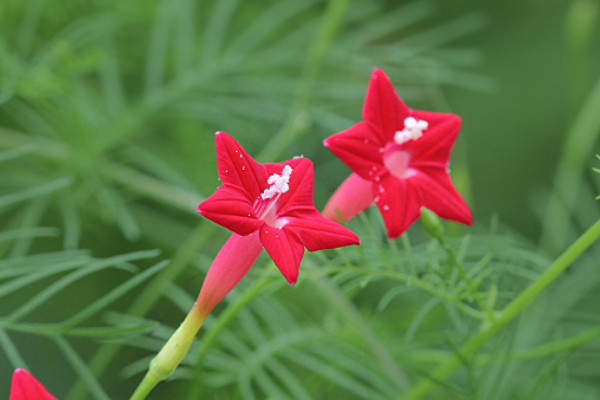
(227, 270)
(353, 196)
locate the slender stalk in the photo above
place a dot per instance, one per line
(223, 321)
(489, 329)
(461, 271)
(576, 152)
(148, 297)
(172, 353)
(297, 122)
(230, 265)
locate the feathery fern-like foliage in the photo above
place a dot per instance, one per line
(107, 111)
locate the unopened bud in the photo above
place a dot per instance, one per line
(431, 223)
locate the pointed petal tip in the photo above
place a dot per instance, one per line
(292, 281)
(455, 119)
(220, 135)
(378, 73)
(21, 373)
(394, 234)
(469, 219)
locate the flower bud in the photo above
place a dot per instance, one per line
(431, 223)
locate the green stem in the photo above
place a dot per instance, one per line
(171, 354)
(224, 319)
(576, 152)
(347, 310)
(461, 271)
(489, 329)
(147, 299)
(297, 122)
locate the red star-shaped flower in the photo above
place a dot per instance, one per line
(400, 161)
(275, 200)
(25, 387)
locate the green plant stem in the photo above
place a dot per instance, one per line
(577, 150)
(543, 350)
(461, 271)
(348, 311)
(172, 353)
(489, 329)
(297, 122)
(151, 293)
(224, 319)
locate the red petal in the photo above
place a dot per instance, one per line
(399, 203)
(360, 149)
(383, 109)
(25, 387)
(434, 147)
(285, 250)
(237, 168)
(230, 207)
(318, 233)
(440, 196)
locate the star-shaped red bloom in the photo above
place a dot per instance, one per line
(401, 156)
(25, 387)
(275, 200)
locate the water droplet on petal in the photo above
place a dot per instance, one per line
(386, 207)
(366, 140)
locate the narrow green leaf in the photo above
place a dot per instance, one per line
(36, 191)
(113, 295)
(11, 351)
(81, 368)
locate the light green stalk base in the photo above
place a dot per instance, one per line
(171, 354)
(490, 328)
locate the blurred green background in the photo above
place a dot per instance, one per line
(108, 110)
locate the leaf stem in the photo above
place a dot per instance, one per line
(461, 271)
(488, 330)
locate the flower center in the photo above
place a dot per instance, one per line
(265, 205)
(397, 163)
(279, 183)
(413, 129)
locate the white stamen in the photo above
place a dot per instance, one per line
(413, 129)
(279, 183)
